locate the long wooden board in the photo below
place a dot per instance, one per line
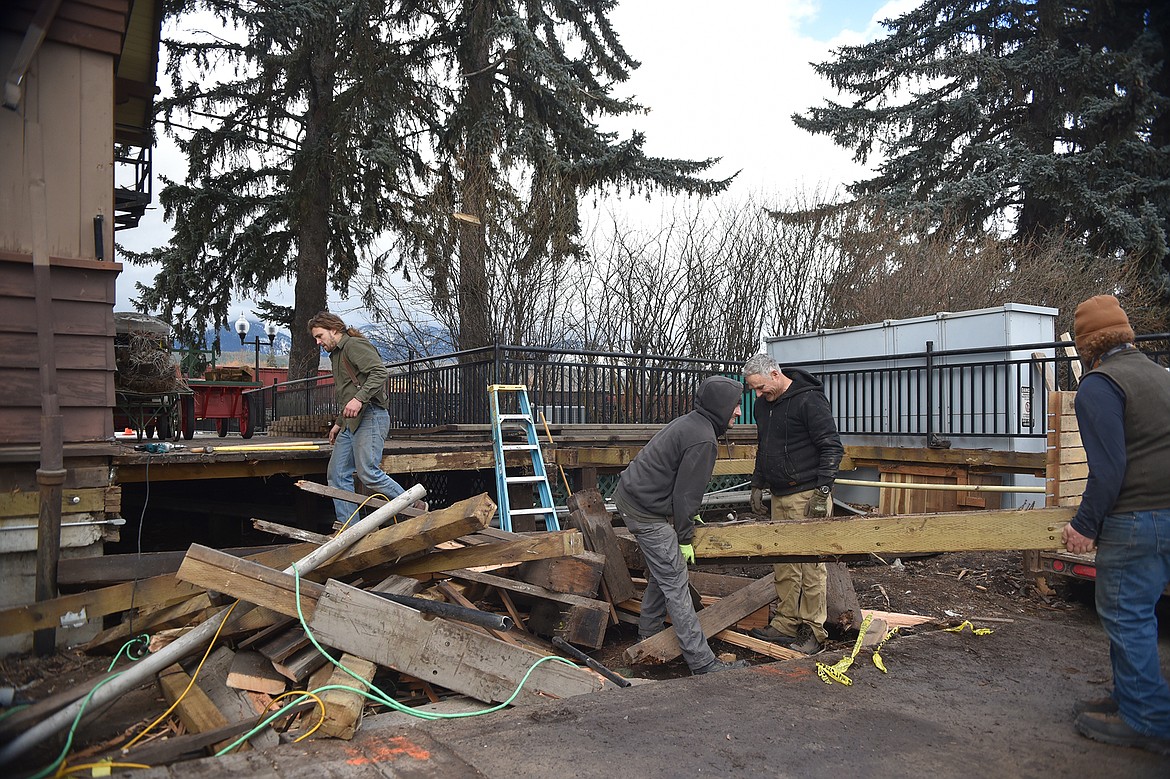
(439, 651)
(954, 532)
(719, 616)
(559, 543)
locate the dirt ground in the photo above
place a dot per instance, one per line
(951, 704)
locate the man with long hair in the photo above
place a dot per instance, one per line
(359, 433)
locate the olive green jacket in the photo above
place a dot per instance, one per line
(358, 372)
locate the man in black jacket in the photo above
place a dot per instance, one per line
(659, 494)
(797, 458)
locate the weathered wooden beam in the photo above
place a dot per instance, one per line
(248, 580)
(114, 568)
(964, 531)
(588, 512)
(576, 575)
(416, 534)
(663, 646)
(1013, 462)
(234, 704)
(438, 650)
(343, 709)
(760, 647)
(559, 543)
(581, 621)
(195, 710)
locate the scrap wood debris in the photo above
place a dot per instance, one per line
(292, 658)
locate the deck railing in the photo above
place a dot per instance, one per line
(982, 393)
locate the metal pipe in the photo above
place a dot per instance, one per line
(577, 654)
(117, 521)
(483, 619)
(940, 487)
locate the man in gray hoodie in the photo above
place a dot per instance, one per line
(659, 494)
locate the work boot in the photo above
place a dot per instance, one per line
(769, 633)
(806, 642)
(1112, 729)
(1104, 705)
(719, 665)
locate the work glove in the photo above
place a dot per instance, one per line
(698, 520)
(758, 501)
(688, 553)
(818, 505)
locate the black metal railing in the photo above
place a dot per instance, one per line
(982, 393)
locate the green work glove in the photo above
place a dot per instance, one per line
(758, 501)
(818, 505)
(688, 553)
(699, 520)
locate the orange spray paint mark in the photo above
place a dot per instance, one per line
(392, 749)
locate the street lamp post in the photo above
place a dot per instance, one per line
(242, 327)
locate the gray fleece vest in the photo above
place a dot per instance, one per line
(1146, 387)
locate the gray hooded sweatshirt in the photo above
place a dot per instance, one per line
(667, 479)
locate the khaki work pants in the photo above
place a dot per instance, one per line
(800, 587)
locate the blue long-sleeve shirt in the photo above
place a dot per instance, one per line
(1100, 407)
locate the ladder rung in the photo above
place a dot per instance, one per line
(523, 417)
(514, 512)
(524, 479)
(516, 447)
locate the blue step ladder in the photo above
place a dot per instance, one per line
(518, 415)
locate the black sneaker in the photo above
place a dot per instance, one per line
(1112, 729)
(1104, 705)
(719, 665)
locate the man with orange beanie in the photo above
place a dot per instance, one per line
(1123, 411)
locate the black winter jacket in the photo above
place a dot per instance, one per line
(799, 447)
(667, 479)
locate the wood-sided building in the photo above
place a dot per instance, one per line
(79, 80)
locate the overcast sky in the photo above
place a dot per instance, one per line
(719, 83)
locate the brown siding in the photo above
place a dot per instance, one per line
(89, 24)
(83, 320)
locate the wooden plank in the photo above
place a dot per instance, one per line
(663, 646)
(343, 709)
(582, 621)
(285, 531)
(195, 710)
(1073, 471)
(253, 671)
(760, 647)
(233, 703)
(558, 543)
(955, 532)
(579, 574)
(440, 651)
(248, 580)
(588, 513)
(114, 568)
(1072, 489)
(412, 535)
(18, 503)
(1014, 462)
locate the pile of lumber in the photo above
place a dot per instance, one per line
(234, 634)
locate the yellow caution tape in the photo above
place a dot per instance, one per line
(836, 672)
(877, 658)
(975, 630)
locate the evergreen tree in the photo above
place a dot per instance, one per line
(522, 145)
(1047, 117)
(301, 129)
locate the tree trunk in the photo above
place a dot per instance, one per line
(312, 188)
(475, 308)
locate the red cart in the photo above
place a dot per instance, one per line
(222, 401)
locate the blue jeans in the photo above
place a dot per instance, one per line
(1133, 568)
(361, 451)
